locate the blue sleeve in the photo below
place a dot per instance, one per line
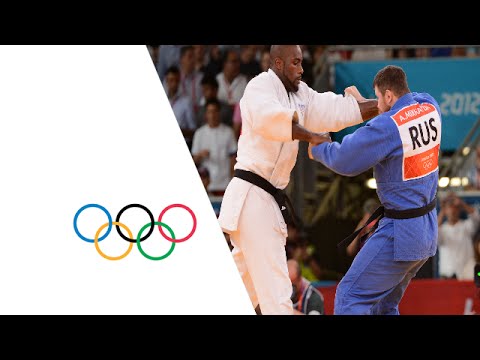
(359, 151)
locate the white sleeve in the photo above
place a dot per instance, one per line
(473, 221)
(263, 110)
(328, 111)
(196, 142)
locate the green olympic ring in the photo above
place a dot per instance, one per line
(153, 257)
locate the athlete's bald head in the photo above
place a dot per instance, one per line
(286, 62)
(281, 51)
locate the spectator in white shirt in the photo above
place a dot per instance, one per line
(231, 83)
(214, 146)
(455, 238)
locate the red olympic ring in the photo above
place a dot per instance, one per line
(191, 232)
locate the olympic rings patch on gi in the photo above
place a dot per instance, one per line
(130, 237)
(428, 164)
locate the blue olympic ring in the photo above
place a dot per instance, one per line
(92, 206)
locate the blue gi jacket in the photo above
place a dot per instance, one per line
(402, 145)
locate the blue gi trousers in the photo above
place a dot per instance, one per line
(375, 282)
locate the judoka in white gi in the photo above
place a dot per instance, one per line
(278, 110)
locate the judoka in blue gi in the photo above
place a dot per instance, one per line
(402, 145)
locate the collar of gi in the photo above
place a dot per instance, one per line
(403, 101)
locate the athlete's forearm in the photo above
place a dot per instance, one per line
(300, 133)
(368, 108)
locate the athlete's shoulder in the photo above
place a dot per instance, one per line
(316, 292)
(260, 80)
(303, 89)
(382, 120)
(263, 76)
(383, 125)
(425, 98)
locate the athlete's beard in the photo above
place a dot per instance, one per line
(291, 84)
(387, 109)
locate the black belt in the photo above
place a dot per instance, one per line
(380, 212)
(279, 195)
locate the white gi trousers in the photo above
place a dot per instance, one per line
(259, 253)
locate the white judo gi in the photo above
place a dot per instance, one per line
(248, 213)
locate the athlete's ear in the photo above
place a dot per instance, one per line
(388, 97)
(278, 63)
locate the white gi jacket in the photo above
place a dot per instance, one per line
(266, 146)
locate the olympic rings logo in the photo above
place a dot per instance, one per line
(428, 164)
(138, 240)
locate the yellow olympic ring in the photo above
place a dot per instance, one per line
(97, 235)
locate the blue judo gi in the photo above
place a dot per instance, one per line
(403, 146)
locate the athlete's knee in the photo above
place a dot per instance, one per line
(347, 304)
(339, 307)
(340, 294)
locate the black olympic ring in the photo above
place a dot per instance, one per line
(150, 215)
